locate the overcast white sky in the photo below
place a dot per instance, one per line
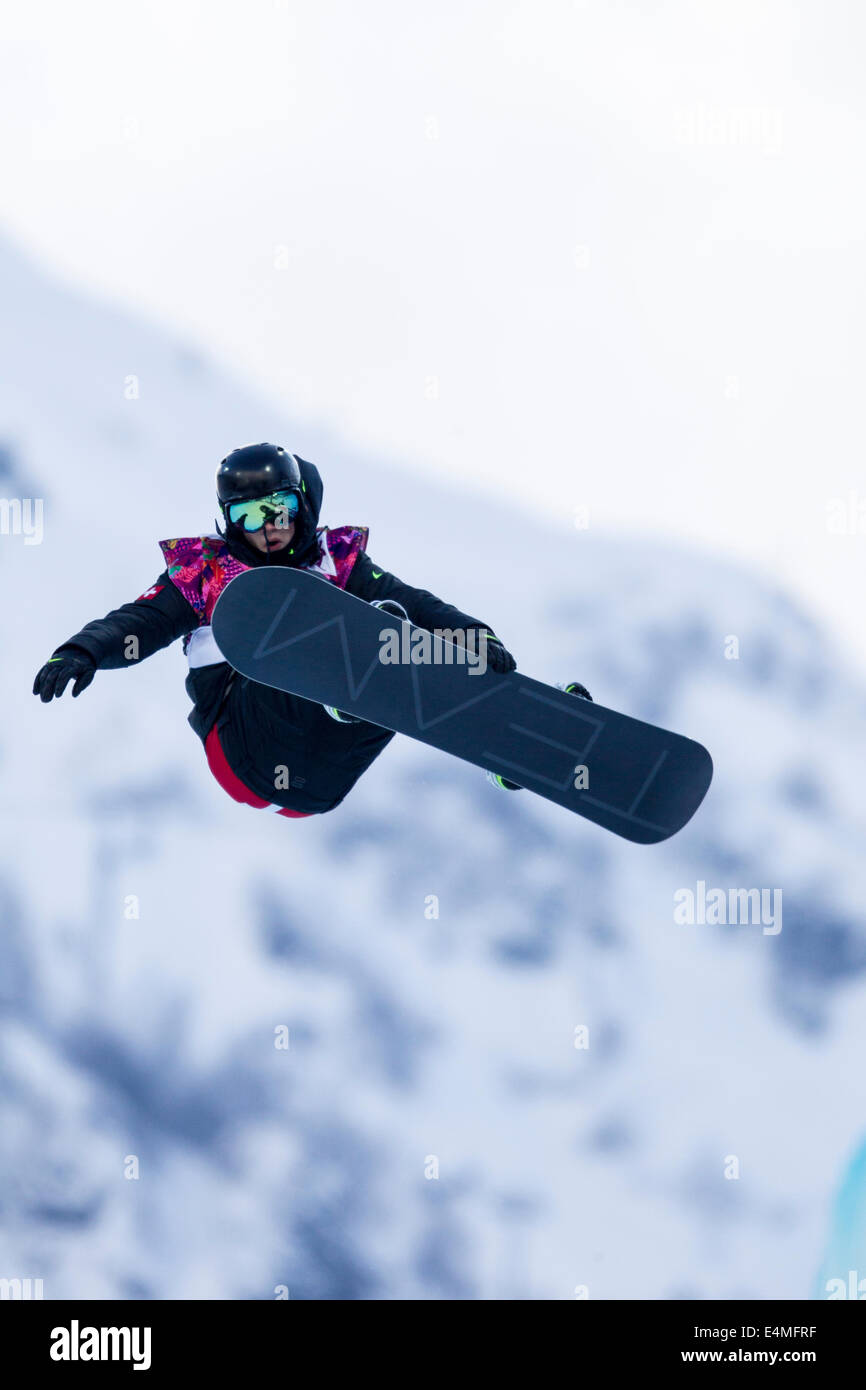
(604, 255)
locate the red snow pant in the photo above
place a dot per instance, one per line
(218, 764)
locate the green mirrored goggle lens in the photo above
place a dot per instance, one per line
(281, 508)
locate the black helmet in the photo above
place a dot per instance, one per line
(254, 471)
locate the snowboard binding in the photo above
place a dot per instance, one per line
(503, 784)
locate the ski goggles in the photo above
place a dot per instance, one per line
(252, 514)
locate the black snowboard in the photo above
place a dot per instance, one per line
(299, 632)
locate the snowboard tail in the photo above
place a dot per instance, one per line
(296, 631)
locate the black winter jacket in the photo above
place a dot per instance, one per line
(262, 729)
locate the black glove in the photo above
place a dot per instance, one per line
(70, 663)
(498, 659)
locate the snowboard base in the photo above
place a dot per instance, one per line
(298, 632)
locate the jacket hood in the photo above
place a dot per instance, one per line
(313, 487)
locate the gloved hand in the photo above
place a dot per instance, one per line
(498, 659)
(70, 663)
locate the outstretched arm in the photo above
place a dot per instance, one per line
(124, 637)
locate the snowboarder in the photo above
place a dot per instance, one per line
(270, 501)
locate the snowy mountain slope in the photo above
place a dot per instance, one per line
(414, 1040)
